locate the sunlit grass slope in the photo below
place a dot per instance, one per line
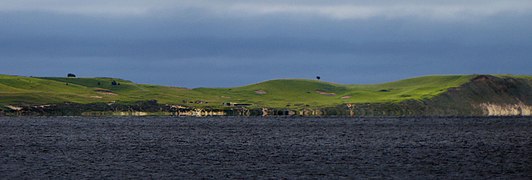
(291, 93)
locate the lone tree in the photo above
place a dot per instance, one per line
(70, 75)
(318, 78)
(114, 83)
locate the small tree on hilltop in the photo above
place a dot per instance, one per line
(70, 75)
(318, 78)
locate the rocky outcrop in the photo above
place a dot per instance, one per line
(74, 109)
(519, 109)
(489, 96)
(484, 95)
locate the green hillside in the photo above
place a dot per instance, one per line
(293, 93)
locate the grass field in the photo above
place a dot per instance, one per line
(293, 93)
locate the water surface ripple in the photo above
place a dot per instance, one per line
(237, 147)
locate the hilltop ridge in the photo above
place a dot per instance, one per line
(290, 94)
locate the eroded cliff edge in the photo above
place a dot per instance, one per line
(484, 95)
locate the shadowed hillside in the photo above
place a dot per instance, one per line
(483, 95)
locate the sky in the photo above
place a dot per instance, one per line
(225, 43)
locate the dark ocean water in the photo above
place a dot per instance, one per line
(243, 148)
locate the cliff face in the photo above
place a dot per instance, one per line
(483, 96)
(506, 110)
(490, 96)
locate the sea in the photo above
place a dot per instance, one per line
(265, 148)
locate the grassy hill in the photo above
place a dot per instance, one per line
(293, 93)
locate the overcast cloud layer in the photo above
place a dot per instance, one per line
(230, 42)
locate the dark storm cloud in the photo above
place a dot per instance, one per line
(231, 43)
